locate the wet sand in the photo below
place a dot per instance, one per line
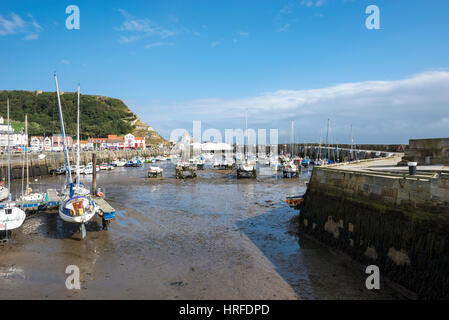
(213, 237)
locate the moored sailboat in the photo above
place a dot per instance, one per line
(77, 205)
(11, 216)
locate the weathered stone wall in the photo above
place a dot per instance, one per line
(400, 225)
(55, 160)
(435, 150)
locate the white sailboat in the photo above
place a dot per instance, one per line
(27, 194)
(246, 169)
(11, 216)
(77, 206)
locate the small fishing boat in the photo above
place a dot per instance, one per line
(58, 171)
(4, 192)
(119, 163)
(246, 170)
(104, 166)
(11, 217)
(289, 169)
(154, 172)
(305, 163)
(294, 201)
(133, 163)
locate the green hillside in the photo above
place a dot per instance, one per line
(100, 116)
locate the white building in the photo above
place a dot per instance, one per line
(16, 139)
(39, 143)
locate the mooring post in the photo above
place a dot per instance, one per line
(94, 173)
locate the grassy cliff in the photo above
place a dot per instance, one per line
(100, 116)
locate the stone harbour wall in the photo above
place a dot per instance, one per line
(399, 224)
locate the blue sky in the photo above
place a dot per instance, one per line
(307, 60)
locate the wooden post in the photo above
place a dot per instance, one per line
(94, 173)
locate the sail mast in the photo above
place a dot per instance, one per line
(9, 156)
(78, 143)
(327, 139)
(26, 153)
(66, 156)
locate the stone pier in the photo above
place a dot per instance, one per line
(390, 219)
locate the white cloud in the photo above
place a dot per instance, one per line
(137, 29)
(215, 44)
(64, 61)
(380, 111)
(32, 36)
(17, 25)
(158, 44)
(313, 3)
(243, 33)
(284, 28)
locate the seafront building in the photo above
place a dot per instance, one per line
(16, 139)
(112, 142)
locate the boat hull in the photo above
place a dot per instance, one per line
(13, 220)
(89, 210)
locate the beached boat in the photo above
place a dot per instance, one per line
(290, 169)
(27, 193)
(246, 170)
(4, 192)
(294, 201)
(119, 163)
(77, 206)
(154, 172)
(11, 216)
(104, 166)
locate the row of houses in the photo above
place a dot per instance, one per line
(112, 142)
(16, 139)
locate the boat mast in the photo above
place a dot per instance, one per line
(245, 135)
(319, 148)
(352, 144)
(327, 139)
(78, 143)
(61, 119)
(291, 138)
(26, 154)
(9, 156)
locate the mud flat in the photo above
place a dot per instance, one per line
(212, 237)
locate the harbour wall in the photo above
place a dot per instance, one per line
(427, 151)
(399, 223)
(54, 160)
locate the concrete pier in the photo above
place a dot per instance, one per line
(390, 219)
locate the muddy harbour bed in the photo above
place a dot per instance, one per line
(212, 237)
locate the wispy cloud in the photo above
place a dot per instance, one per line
(65, 62)
(135, 29)
(243, 34)
(313, 3)
(215, 44)
(158, 44)
(284, 28)
(15, 25)
(286, 17)
(380, 111)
